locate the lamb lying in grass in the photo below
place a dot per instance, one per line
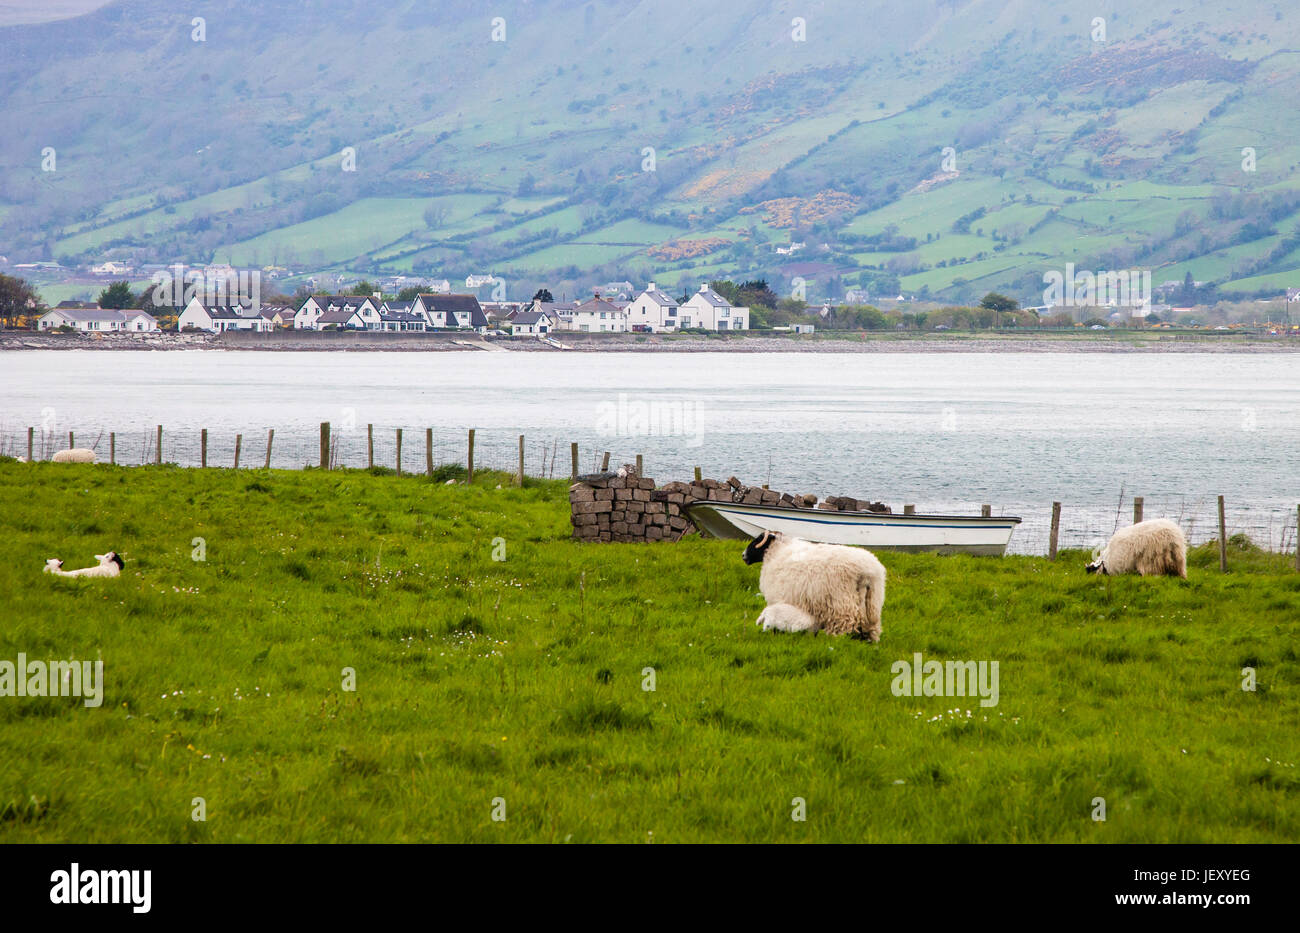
(110, 565)
(74, 455)
(841, 589)
(1153, 548)
(786, 618)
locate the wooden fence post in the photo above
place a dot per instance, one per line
(370, 446)
(112, 447)
(71, 443)
(699, 475)
(1297, 537)
(324, 445)
(203, 447)
(909, 510)
(428, 451)
(270, 436)
(30, 432)
(1137, 509)
(1055, 533)
(638, 464)
(239, 443)
(986, 511)
(158, 451)
(604, 462)
(399, 451)
(521, 461)
(469, 459)
(1223, 539)
(573, 453)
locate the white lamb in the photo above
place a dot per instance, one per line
(110, 565)
(840, 589)
(1153, 548)
(74, 455)
(786, 618)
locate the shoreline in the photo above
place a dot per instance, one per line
(867, 342)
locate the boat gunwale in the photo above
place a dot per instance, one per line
(899, 517)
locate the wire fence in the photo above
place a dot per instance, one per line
(1272, 524)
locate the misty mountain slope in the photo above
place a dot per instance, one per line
(529, 157)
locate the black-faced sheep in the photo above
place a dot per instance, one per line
(1153, 548)
(110, 565)
(841, 588)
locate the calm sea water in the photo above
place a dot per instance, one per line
(944, 431)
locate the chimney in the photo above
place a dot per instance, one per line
(650, 287)
(704, 287)
(377, 295)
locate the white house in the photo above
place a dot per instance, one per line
(598, 316)
(450, 311)
(218, 318)
(308, 316)
(139, 322)
(402, 321)
(708, 310)
(349, 318)
(653, 310)
(397, 316)
(111, 268)
(86, 320)
(532, 323)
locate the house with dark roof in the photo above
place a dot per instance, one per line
(461, 312)
(654, 310)
(219, 318)
(397, 317)
(348, 318)
(709, 310)
(309, 314)
(531, 323)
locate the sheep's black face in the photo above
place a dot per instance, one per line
(1096, 567)
(757, 548)
(117, 559)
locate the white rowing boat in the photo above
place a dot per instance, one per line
(943, 534)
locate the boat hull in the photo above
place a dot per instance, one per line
(940, 534)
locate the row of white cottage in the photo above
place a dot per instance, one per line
(92, 319)
(341, 312)
(652, 311)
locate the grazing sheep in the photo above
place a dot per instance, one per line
(841, 588)
(1154, 548)
(74, 455)
(110, 565)
(786, 618)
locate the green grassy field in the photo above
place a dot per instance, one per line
(522, 679)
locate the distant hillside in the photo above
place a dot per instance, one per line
(530, 157)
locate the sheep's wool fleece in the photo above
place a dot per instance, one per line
(1152, 548)
(843, 588)
(74, 455)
